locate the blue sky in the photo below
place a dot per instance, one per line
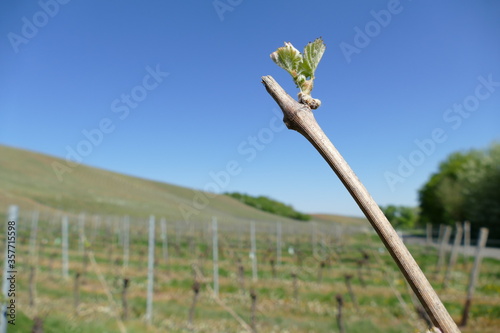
(171, 91)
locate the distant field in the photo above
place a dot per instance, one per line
(358, 221)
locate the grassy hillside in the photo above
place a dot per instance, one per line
(28, 180)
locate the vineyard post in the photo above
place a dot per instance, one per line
(321, 266)
(429, 233)
(164, 239)
(107, 237)
(215, 248)
(151, 260)
(323, 244)
(196, 291)
(85, 262)
(354, 300)
(42, 246)
(483, 236)
(65, 256)
(177, 234)
(242, 232)
(118, 228)
(454, 254)
(273, 267)
(33, 236)
(440, 233)
(81, 232)
(33, 258)
(339, 233)
(37, 325)
(299, 117)
(419, 309)
(76, 292)
(191, 237)
(340, 321)
(278, 243)
(53, 256)
(254, 251)
(241, 275)
(126, 282)
(295, 286)
(32, 290)
(126, 241)
(313, 238)
(442, 249)
(53, 221)
(96, 227)
(466, 243)
(253, 296)
(360, 273)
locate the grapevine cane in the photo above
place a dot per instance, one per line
(298, 116)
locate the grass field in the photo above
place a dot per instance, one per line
(314, 310)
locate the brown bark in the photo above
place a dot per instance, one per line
(126, 283)
(340, 320)
(196, 290)
(253, 324)
(354, 300)
(300, 118)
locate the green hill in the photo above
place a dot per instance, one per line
(28, 180)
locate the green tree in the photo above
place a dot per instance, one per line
(269, 205)
(442, 197)
(401, 216)
(482, 194)
(466, 187)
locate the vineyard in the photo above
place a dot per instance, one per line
(104, 273)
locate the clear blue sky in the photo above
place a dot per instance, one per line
(68, 67)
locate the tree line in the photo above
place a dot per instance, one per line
(466, 187)
(269, 205)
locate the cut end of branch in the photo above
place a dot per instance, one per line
(304, 99)
(294, 113)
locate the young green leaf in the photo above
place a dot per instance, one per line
(301, 67)
(288, 58)
(312, 56)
